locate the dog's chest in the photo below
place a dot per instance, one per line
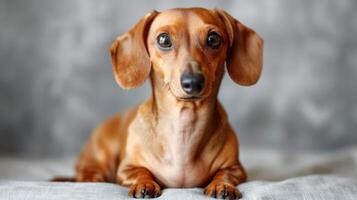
(173, 168)
(182, 175)
(179, 163)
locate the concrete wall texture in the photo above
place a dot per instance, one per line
(56, 82)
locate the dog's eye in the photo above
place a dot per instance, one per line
(214, 40)
(164, 41)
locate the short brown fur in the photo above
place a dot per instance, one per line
(170, 141)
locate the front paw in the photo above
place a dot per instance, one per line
(145, 190)
(222, 191)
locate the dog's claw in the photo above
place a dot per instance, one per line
(222, 191)
(145, 190)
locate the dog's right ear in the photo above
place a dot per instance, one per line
(130, 58)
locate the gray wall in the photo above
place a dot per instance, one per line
(56, 81)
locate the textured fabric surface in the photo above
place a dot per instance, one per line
(263, 164)
(24, 178)
(308, 187)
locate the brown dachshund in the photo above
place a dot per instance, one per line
(179, 137)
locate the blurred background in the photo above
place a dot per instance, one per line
(56, 81)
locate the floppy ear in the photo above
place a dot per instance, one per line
(130, 58)
(245, 54)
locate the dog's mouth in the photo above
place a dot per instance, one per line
(189, 98)
(186, 97)
(180, 96)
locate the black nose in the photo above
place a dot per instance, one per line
(192, 83)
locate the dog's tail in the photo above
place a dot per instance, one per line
(63, 179)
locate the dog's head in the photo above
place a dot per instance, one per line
(186, 49)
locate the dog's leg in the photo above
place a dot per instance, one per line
(142, 183)
(90, 175)
(224, 183)
(99, 159)
(89, 170)
(96, 164)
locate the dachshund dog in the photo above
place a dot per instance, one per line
(179, 137)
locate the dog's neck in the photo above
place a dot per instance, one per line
(186, 125)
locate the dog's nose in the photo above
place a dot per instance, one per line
(192, 83)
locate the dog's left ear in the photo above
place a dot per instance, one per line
(245, 54)
(130, 58)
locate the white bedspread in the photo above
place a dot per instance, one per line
(308, 187)
(273, 175)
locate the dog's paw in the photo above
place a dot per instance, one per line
(222, 191)
(145, 190)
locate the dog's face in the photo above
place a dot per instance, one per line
(187, 49)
